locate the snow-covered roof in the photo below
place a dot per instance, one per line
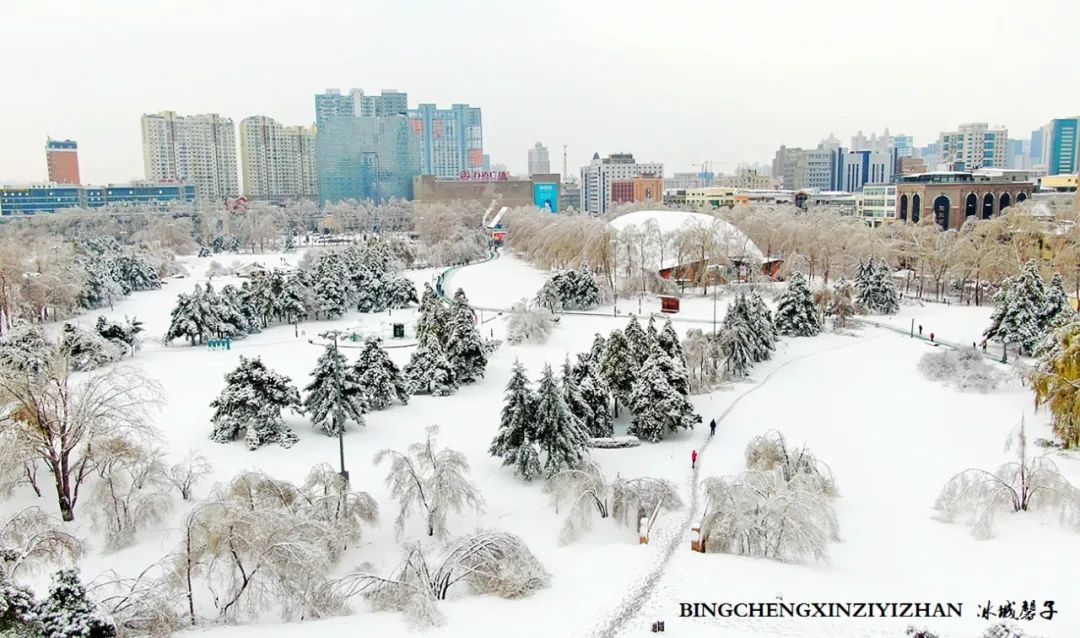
(670, 221)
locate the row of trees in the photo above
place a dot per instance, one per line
(1026, 309)
(449, 351)
(570, 290)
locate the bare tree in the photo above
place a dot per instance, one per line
(977, 496)
(771, 451)
(430, 480)
(144, 605)
(133, 490)
(184, 476)
(31, 540)
(61, 420)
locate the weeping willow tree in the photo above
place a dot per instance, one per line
(1056, 381)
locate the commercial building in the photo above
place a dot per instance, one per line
(31, 199)
(975, 145)
(744, 177)
(200, 149)
(540, 190)
(570, 197)
(332, 102)
(538, 160)
(854, 169)
(610, 181)
(366, 158)
(1058, 184)
(784, 165)
(1059, 152)
(62, 158)
(451, 140)
(277, 162)
(904, 145)
(877, 204)
(711, 197)
(910, 165)
(953, 196)
(684, 181)
(388, 102)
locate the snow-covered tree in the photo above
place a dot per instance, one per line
(401, 293)
(185, 475)
(331, 286)
(570, 290)
(1056, 381)
(492, 563)
(251, 405)
(528, 324)
(132, 493)
(30, 541)
(432, 318)
(976, 497)
(88, 350)
(429, 370)
(379, 378)
(125, 334)
(515, 441)
(464, 347)
(658, 408)
(770, 451)
(1018, 306)
(878, 293)
(1057, 309)
(864, 271)
(795, 312)
(759, 513)
(638, 340)
(67, 612)
(842, 307)
(25, 349)
(619, 366)
(967, 369)
(559, 434)
(739, 346)
(187, 322)
(590, 385)
(433, 481)
(334, 395)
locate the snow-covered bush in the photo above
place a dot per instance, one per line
(759, 513)
(494, 563)
(770, 451)
(976, 497)
(570, 290)
(67, 612)
(433, 481)
(528, 323)
(217, 270)
(88, 350)
(132, 493)
(123, 334)
(184, 476)
(966, 369)
(31, 540)
(614, 442)
(251, 403)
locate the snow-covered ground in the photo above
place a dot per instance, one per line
(891, 437)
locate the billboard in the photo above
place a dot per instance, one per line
(546, 196)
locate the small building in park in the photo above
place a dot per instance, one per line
(953, 196)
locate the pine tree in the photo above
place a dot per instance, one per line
(593, 390)
(658, 408)
(331, 286)
(401, 293)
(763, 323)
(431, 316)
(739, 345)
(293, 310)
(231, 319)
(251, 403)
(378, 376)
(515, 442)
(559, 434)
(863, 272)
(795, 313)
(638, 341)
(669, 342)
(1057, 307)
(187, 322)
(88, 350)
(464, 346)
(619, 366)
(68, 613)
(334, 386)
(429, 371)
(1019, 302)
(574, 398)
(586, 289)
(879, 294)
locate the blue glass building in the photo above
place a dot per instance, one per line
(451, 140)
(1061, 141)
(49, 198)
(365, 158)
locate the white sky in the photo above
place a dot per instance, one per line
(676, 81)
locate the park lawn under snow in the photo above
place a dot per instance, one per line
(892, 438)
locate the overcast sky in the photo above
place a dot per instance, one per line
(675, 81)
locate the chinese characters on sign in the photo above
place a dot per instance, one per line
(1010, 611)
(484, 176)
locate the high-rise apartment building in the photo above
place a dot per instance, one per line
(904, 145)
(784, 166)
(611, 181)
(62, 158)
(277, 162)
(1059, 148)
(389, 102)
(855, 169)
(362, 158)
(332, 102)
(538, 160)
(976, 145)
(451, 140)
(200, 149)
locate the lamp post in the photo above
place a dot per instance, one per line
(1005, 352)
(614, 276)
(913, 327)
(339, 416)
(714, 311)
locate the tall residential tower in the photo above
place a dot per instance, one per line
(200, 149)
(277, 162)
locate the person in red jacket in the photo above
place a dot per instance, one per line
(693, 458)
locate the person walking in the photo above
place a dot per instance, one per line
(693, 458)
(931, 337)
(920, 329)
(712, 427)
(984, 346)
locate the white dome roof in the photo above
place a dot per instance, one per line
(670, 221)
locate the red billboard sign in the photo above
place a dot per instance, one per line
(484, 176)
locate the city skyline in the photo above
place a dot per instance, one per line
(785, 72)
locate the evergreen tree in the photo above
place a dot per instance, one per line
(88, 350)
(251, 403)
(431, 316)
(574, 398)
(1057, 307)
(124, 334)
(763, 325)
(795, 313)
(334, 393)
(863, 273)
(638, 341)
(464, 346)
(593, 390)
(880, 295)
(187, 322)
(292, 305)
(379, 377)
(232, 321)
(429, 371)
(658, 408)
(68, 613)
(586, 289)
(1019, 303)
(249, 307)
(331, 287)
(17, 605)
(559, 434)
(401, 293)
(669, 342)
(739, 345)
(618, 366)
(515, 442)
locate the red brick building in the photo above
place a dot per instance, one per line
(952, 197)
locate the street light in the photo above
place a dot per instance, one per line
(339, 416)
(614, 276)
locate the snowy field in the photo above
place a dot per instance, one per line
(891, 437)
